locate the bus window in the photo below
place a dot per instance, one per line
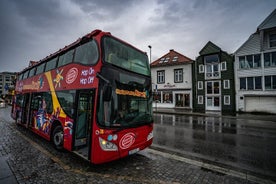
(32, 72)
(87, 53)
(51, 64)
(66, 58)
(40, 69)
(66, 100)
(42, 100)
(19, 100)
(47, 99)
(26, 74)
(126, 57)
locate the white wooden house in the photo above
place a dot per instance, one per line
(255, 69)
(172, 81)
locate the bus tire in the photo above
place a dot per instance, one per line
(58, 137)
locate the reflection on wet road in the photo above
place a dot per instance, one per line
(242, 143)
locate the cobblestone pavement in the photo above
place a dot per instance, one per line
(34, 160)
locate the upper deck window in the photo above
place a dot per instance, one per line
(125, 56)
(40, 69)
(87, 53)
(51, 64)
(66, 58)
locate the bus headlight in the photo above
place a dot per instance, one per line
(150, 136)
(107, 146)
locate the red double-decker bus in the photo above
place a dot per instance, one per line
(93, 98)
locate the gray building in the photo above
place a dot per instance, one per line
(255, 69)
(7, 84)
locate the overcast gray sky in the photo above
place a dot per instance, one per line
(33, 29)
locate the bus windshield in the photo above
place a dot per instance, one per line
(130, 104)
(125, 56)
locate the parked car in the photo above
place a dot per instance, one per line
(2, 103)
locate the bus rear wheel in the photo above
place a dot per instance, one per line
(58, 137)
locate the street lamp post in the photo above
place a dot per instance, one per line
(150, 52)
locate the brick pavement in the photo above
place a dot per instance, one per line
(34, 160)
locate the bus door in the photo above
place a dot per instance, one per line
(83, 123)
(25, 110)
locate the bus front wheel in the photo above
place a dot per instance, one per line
(58, 137)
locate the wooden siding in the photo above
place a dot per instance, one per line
(228, 74)
(266, 46)
(251, 46)
(269, 22)
(209, 48)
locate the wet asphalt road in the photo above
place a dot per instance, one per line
(243, 144)
(34, 160)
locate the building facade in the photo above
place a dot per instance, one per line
(213, 79)
(7, 85)
(172, 81)
(255, 69)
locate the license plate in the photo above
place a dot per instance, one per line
(133, 151)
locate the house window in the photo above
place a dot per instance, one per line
(167, 97)
(226, 100)
(212, 66)
(157, 96)
(199, 85)
(212, 71)
(258, 83)
(213, 87)
(223, 66)
(250, 61)
(243, 83)
(161, 77)
(211, 59)
(175, 58)
(226, 84)
(270, 82)
(251, 83)
(178, 75)
(200, 99)
(270, 59)
(272, 40)
(201, 68)
(257, 61)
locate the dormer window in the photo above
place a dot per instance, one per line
(175, 58)
(162, 60)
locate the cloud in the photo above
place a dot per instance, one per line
(31, 29)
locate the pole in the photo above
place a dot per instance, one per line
(150, 52)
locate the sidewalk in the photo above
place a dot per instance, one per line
(252, 116)
(6, 175)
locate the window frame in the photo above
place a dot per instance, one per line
(201, 68)
(223, 66)
(246, 63)
(226, 84)
(272, 82)
(272, 41)
(270, 62)
(178, 75)
(160, 75)
(225, 101)
(251, 82)
(200, 85)
(200, 99)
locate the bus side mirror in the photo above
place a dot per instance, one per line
(107, 93)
